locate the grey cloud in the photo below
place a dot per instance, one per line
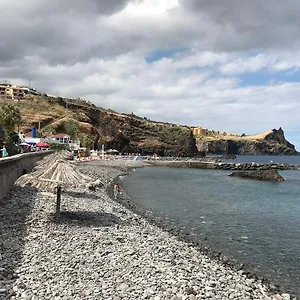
(32, 8)
(238, 25)
(99, 7)
(64, 32)
(58, 31)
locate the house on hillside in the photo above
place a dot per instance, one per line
(11, 92)
(15, 92)
(199, 131)
(30, 91)
(60, 137)
(64, 138)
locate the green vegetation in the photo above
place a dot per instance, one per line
(10, 117)
(72, 128)
(87, 140)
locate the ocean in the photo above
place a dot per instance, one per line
(256, 222)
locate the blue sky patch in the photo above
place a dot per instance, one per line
(265, 78)
(158, 54)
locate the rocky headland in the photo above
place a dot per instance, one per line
(272, 142)
(99, 249)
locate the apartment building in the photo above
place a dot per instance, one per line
(11, 92)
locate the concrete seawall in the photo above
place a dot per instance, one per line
(11, 168)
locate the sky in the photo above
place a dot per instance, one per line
(229, 65)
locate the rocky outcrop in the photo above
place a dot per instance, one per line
(273, 143)
(265, 175)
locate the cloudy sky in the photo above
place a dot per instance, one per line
(229, 65)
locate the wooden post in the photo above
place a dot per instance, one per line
(58, 198)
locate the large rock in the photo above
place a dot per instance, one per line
(265, 175)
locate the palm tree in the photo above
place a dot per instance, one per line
(10, 116)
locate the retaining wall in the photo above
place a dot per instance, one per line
(11, 168)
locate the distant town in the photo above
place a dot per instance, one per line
(15, 92)
(10, 91)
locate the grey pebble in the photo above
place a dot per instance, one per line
(101, 250)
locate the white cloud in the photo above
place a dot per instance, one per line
(97, 49)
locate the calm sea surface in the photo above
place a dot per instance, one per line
(254, 221)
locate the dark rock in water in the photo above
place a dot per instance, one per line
(266, 175)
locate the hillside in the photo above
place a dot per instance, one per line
(126, 133)
(133, 134)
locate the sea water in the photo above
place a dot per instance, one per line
(254, 221)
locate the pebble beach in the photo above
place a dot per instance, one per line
(99, 249)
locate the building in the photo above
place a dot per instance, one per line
(3, 91)
(30, 91)
(64, 138)
(17, 92)
(199, 131)
(11, 92)
(60, 137)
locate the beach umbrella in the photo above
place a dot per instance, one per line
(42, 144)
(52, 171)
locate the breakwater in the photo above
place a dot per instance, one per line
(217, 165)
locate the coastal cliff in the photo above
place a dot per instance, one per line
(272, 142)
(126, 133)
(129, 133)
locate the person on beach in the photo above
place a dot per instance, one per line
(116, 191)
(4, 151)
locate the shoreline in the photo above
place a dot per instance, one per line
(200, 242)
(100, 249)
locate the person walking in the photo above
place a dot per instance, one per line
(4, 151)
(116, 191)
